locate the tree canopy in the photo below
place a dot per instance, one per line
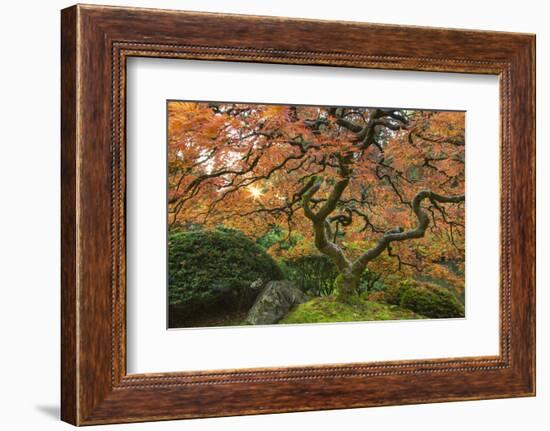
(363, 186)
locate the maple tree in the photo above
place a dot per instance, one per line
(367, 187)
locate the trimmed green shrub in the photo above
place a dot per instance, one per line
(424, 298)
(432, 301)
(213, 268)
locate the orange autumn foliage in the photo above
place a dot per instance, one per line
(253, 167)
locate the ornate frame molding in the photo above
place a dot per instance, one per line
(96, 41)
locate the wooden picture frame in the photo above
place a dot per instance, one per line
(95, 43)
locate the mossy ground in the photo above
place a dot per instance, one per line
(318, 310)
(328, 309)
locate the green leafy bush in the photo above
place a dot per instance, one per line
(423, 298)
(431, 301)
(370, 282)
(316, 275)
(313, 274)
(278, 237)
(213, 268)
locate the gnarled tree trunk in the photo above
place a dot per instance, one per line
(346, 287)
(350, 272)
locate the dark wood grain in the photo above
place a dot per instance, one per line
(69, 398)
(96, 41)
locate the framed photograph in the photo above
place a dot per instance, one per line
(266, 215)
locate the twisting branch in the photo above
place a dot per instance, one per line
(423, 221)
(391, 119)
(321, 227)
(368, 223)
(340, 220)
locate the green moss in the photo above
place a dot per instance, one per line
(346, 292)
(328, 309)
(432, 301)
(428, 299)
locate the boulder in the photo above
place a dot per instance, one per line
(274, 302)
(257, 285)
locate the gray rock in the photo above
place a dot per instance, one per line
(274, 302)
(257, 285)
